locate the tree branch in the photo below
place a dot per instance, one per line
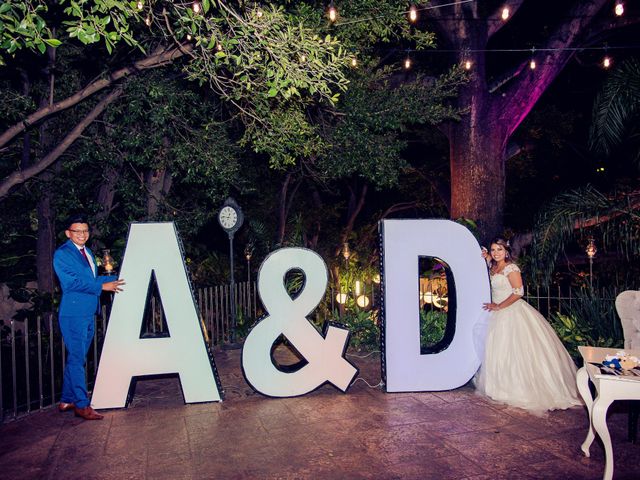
(159, 58)
(21, 176)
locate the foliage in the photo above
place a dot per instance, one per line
(617, 109)
(592, 321)
(365, 332)
(432, 327)
(30, 24)
(613, 217)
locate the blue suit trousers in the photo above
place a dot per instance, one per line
(77, 332)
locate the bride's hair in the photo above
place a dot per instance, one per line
(504, 244)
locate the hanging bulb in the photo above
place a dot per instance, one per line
(196, 7)
(189, 37)
(505, 13)
(332, 12)
(219, 47)
(532, 64)
(407, 63)
(413, 13)
(619, 9)
(606, 62)
(354, 62)
(147, 21)
(467, 65)
(139, 5)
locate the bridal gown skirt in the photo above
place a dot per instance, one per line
(525, 363)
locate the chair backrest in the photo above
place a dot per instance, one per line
(628, 307)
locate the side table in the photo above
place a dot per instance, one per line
(608, 389)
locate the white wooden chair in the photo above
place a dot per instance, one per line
(628, 308)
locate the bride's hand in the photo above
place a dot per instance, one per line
(491, 307)
(484, 253)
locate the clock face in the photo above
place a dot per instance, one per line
(228, 217)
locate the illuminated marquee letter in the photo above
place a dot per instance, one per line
(287, 316)
(406, 369)
(153, 249)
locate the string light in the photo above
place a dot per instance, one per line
(407, 63)
(259, 13)
(147, 21)
(505, 13)
(303, 58)
(196, 7)
(413, 13)
(189, 37)
(219, 47)
(532, 63)
(467, 65)
(139, 5)
(606, 62)
(332, 12)
(354, 62)
(619, 9)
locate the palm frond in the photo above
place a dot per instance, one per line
(614, 219)
(616, 105)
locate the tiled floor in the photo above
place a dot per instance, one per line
(364, 433)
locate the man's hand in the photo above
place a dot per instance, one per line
(114, 286)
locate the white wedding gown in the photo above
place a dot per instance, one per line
(525, 364)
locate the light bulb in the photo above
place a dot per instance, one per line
(413, 13)
(362, 301)
(354, 62)
(303, 58)
(532, 64)
(333, 13)
(189, 37)
(341, 298)
(358, 287)
(259, 14)
(467, 65)
(196, 7)
(139, 5)
(619, 9)
(407, 63)
(505, 13)
(606, 62)
(219, 46)
(147, 21)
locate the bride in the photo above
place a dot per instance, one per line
(525, 364)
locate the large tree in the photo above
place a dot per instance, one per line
(498, 99)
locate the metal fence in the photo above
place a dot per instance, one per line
(32, 354)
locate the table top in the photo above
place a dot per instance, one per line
(598, 354)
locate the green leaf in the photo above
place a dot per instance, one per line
(272, 92)
(52, 42)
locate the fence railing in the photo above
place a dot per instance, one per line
(32, 354)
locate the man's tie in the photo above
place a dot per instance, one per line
(84, 254)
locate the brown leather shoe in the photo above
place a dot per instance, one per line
(66, 407)
(88, 413)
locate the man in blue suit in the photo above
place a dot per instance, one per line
(81, 287)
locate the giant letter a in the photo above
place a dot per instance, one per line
(153, 250)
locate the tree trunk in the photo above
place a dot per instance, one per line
(45, 243)
(477, 159)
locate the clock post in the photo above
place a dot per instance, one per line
(231, 218)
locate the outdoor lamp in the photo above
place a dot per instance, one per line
(107, 261)
(341, 298)
(345, 251)
(427, 297)
(362, 301)
(357, 288)
(591, 249)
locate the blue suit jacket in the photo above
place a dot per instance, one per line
(80, 288)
